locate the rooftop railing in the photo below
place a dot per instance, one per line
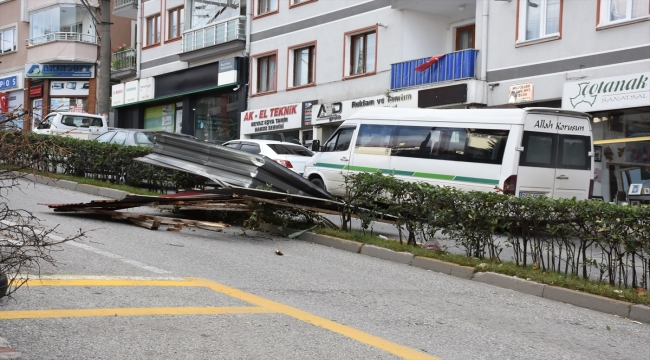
(214, 34)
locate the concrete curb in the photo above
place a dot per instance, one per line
(88, 189)
(509, 282)
(593, 302)
(72, 185)
(7, 352)
(623, 309)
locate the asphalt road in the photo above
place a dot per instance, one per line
(132, 293)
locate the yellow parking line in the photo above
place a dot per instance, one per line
(74, 313)
(383, 344)
(262, 306)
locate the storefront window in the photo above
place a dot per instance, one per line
(216, 118)
(67, 19)
(622, 144)
(69, 105)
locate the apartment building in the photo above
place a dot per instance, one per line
(49, 55)
(591, 56)
(190, 68)
(313, 63)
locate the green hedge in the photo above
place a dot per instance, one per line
(561, 235)
(92, 159)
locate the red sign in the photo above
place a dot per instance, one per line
(36, 90)
(4, 102)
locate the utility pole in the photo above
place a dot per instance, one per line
(104, 88)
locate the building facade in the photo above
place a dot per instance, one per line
(590, 56)
(187, 71)
(313, 63)
(49, 55)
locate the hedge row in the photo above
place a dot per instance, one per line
(92, 159)
(564, 235)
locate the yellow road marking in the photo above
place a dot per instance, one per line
(263, 305)
(73, 313)
(358, 335)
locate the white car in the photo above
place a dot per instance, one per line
(290, 155)
(77, 125)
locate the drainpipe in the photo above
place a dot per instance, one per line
(249, 9)
(484, 45)
(138, 43)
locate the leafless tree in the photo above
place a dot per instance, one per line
(25, 244)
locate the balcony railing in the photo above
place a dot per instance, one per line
(62, 36)
(121, 3)
(453, 66)
(214, 34)
(123, 60)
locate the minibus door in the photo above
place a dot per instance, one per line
(334, 158)
(573, 169)
(536, 173)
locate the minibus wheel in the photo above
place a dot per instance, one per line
(318, 182)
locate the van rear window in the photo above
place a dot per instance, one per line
(556, 151)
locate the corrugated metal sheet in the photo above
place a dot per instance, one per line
(226, 166)
(453, 66)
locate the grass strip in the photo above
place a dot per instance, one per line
(507, 268)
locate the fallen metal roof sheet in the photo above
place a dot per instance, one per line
(227, 167)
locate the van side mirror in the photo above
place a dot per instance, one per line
(315, 145)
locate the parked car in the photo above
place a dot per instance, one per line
(128, 137)
(292, 156)
(77, 125)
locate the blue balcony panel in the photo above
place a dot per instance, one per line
(453, 66)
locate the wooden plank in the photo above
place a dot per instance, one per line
(147, 224)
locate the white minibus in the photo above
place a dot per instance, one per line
(524, 152)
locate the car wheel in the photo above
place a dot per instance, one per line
(318, 182)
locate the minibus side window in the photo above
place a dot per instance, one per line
(539, 149)
(340, 141)
(374, 135)
(574, 152)
(454, 149)
(416, 141)
(485, 146)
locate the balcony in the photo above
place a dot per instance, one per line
(62, 47)
(214, 40)
(458, 65)
(126, 9)
(123, 64)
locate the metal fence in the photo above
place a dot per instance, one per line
(213, 34)
(120, 3)
(123, 60)
(62, 36)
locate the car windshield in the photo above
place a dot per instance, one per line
(285, 149)
(145, 138)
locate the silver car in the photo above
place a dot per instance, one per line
(128, 137)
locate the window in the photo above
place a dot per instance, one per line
(266, 73)
(282, 149)
(153, 30)
(206, 12)
(574, 152)
(362, 53)
(250, 148)
(294, 3)
(539, 150)
(266, 6)
(44, 23)
(618, 11)
(105, 137)
(303, 66)
(119, 138)
(340, 141)
(8, 40)
(374, 136)
(465, 37)
(175, 23)
(539, 19)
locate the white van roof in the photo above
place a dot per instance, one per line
(77, 114)
(493, 116)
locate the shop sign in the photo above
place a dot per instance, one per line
(131, 92)
(59, 70)
(36, 90)
(146, 89)
(339, 111)
(11, 82)
(159, 118)
(69, 88)
(308, 111)
(271, 119)
(227, 72)
(617, 92)
(117, 95)
(520, 93)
